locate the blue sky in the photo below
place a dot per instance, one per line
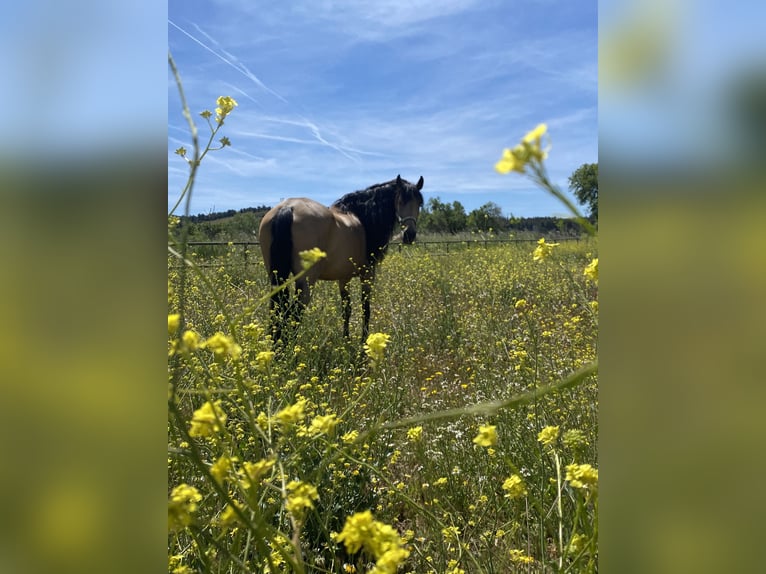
(335, 96)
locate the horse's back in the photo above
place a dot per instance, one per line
(340, 235)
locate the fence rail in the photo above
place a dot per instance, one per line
(432, 246)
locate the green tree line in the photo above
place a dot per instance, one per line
(436, 217)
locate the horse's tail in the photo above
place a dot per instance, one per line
(280, 266)
(281, 254)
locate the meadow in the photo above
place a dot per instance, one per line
(463, 440)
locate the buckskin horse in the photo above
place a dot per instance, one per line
(354, 232)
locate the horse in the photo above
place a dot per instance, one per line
(354, 232)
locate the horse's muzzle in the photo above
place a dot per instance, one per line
(408, 235)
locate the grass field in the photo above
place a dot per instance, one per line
(325, 459)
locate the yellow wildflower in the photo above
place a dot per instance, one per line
(361, 531)
(225, 106)
(311, 256)
(255, 471)
(190, 341)
(375, 346)
(574, 438)
(208, 419)
(487, 436)
(222, 346)
(350, 436)
(529, 150)
(263, 360)
(518, 556)
(220, 468)
(415, 434)
(324, 424)
(229, 516)
(520, 304)
(543, 249)
(548, 435)
(181, 506)
(174, 320)
(514, 487)
(292, 414)
(591, 271)
(582, 476)
(301, 496)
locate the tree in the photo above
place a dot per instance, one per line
(488, 216)
(584, 184)
(443, 217)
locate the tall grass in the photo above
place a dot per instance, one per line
(471, 440)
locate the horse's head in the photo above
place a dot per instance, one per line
(409, 200)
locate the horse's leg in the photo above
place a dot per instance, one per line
(345, 300)
(367, 280)
(303, 291)
(280, 303)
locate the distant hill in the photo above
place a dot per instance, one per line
(231, 225)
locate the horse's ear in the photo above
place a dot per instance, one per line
(398, 179)
(420, 183)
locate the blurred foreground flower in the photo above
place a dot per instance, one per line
(311, 256)
(529, 150)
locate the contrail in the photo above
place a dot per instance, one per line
(235, 63)
(241, 68)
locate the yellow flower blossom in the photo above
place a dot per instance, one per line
(375, 346)
(591, 271)
(263, 360)
(350, 437)
(415, 434)
(323, 424)
(223, 346)
(520, 304)
(529, 150)
(207, 420)
(311, 256)
(514, 487)
(487, 436)
(380, 540)
(190, 340)
(574, 438)
(181, 506)
(543, 250)
(519, 557)
(253, 472)
(174, 320)
(582, 476)
(301, 496)
(225, 106)
(292, 414)
(229, 516)
(548, 435)
(220, 468)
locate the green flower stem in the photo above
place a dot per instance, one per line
(492, 407)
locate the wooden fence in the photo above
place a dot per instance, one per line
(210, 249)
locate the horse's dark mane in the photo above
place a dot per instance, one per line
(376, 209)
